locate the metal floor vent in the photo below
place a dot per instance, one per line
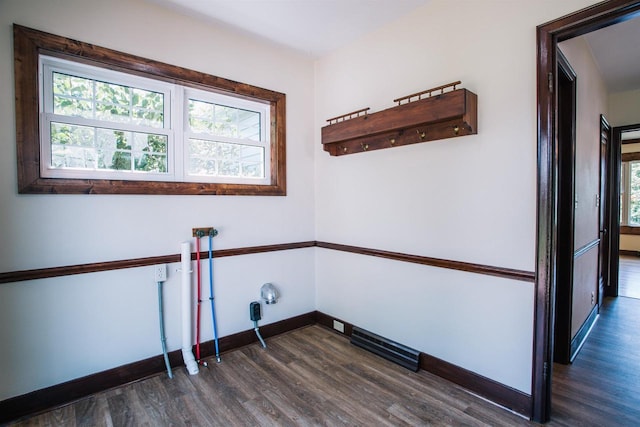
(390, 350)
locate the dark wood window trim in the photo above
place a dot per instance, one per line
(29, 44)
(630, 157)
(626, 229)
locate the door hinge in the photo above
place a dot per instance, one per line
(550, 78)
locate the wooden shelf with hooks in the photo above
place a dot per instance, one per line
(427, 118)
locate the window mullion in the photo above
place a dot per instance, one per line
(178, 113)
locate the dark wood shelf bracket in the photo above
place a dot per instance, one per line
(419, 117)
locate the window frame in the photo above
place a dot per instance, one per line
(29, 44)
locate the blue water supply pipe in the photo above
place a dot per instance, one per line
(211, 298)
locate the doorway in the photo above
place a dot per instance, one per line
(548, 206)
(582, 250)
(627, 144)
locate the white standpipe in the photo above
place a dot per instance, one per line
(187, 338)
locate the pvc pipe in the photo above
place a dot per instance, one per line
(211, 298)
(199, 299)
(187, 339)
(163, 339)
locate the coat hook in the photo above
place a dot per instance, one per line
(422, 135)
(392, 141)
(456, 129)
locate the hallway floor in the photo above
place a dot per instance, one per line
(629, 277)
(602, 386)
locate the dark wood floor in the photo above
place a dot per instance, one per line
(310, 376)
(629, 277)
(313, 376)
(602, 386)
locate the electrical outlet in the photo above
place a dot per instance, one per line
(338, 326)
(160, 272)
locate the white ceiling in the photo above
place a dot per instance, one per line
(616, 50)
(316, 27)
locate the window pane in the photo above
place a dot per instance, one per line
(92, 99)
(229, 168)
(249, 125)
(72, 96)
(221, 120)
(66, 156)
(120, 160)
(150, 152)
(200, 116)
(63, 134)
(226, 121)
(214, 158)
(252, 161)
(86, 147)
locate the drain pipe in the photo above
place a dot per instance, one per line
(187, 339)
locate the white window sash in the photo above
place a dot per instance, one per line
(263, 109)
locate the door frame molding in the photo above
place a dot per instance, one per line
(548, 36)
(566, 94)
(610, 208)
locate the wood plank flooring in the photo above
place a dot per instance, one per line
(308, 377)
(602, 386)
(313, 376)
(629, 277)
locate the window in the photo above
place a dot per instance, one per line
(108, 122)
(630, 193)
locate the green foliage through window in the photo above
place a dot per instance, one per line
(91, 99)
(85, 147)
(634, 193)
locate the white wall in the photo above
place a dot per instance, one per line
(624, 108)
(468, 199)
(629, 242)
(58, 329)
